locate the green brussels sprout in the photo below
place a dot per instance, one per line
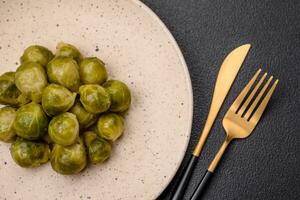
(64, 129)
(28, 153)
(64, 71)
(94, 98)
(31, 79)
(92, 71)
(68, 50)
(98, 149)
(69, 159)
(7, 118)
(120, 95)
(85, 118)
(57, 99)
(110, 126)
(31, 122)
(37, 54)
(9, 93)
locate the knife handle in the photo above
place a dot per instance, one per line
(184, 179)
(202, 185)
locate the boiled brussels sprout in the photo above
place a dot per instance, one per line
(7, 118)
(57, 99)
(120, 95)
(31, 122)
(64, 71)
(69, 159)
(31, 79)
(64, 129)
(85, 118)
(9, 93)
(28, 153)
(98, 149)
(92, 71)
(94, 98)
(110, 126)
(68, 50)
(37, 54)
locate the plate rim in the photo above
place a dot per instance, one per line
(153, 15)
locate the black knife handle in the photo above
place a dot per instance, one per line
(184, 179)
(202, 185)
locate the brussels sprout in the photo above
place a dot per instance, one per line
(31, 122)
(7, 118)
(85, 119)
(69, 159)
(57, 99)
(68, 50)
(9, 93)
(92, 71)
(98, 149)
(120, 95)
(110, 126)
(37, 54)
(94, 98)
(64, 71)
(64, 129)
(31, 79)
(28, 153)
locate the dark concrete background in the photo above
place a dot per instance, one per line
(267, 164)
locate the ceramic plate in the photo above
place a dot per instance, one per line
(139, 50)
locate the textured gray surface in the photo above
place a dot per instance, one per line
(267, 164)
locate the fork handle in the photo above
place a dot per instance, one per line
(202, 185)
(184, 179)
(205, 179)
(213, 165)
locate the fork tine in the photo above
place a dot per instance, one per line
(258, 113)
(236, 104)
(246, 103)
(253, 105)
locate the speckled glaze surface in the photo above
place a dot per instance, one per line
(137, 49)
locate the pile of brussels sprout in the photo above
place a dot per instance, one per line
(61, 108)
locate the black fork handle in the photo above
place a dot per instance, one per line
(202, 185)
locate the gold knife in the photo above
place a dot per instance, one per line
(227, 73)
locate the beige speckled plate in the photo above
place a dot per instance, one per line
(139, 50)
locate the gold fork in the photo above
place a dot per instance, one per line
(240, 120)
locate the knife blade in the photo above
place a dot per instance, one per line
(226, 76)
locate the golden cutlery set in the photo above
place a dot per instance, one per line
(239, 121)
